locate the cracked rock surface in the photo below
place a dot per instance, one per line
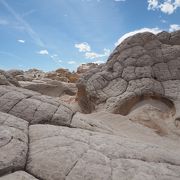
(13, 143)
(19, 175)
(34, 107)
(131, 131)
(142, 65)
(64, 153)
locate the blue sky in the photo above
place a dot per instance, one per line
(50, 34)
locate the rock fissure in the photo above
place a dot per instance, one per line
(28, 144)
(74, 165)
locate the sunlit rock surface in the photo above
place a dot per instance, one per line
(127, 124)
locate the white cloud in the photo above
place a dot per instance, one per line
(71, 62)
(174, 27)
(152, 30)
(83, 47)
(107, 52)
(54, 56)
(43, 52)
(86, 48)
(152, 4)
(168, 6)
(93, 55)
(99, 62)
(177, 3)
(21, 41)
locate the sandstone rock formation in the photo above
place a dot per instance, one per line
(35, 80)
(50, 87)
(18, 175)
(13, 143)
(79, 154)
(29, 75)
(7, 79)
(133, 132)
(83, 68)
(34, 107)
(15, 72)
(63, 75)
(144, 66)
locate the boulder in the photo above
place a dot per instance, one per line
(143, 66)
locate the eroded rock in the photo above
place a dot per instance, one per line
(13, 143)
(7, 79)
(18, 175)
(66, 153)
(50, 87)
(34, 107)
(141, 65)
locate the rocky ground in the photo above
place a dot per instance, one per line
(121, 122)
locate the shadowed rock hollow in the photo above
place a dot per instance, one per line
(127, 127)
